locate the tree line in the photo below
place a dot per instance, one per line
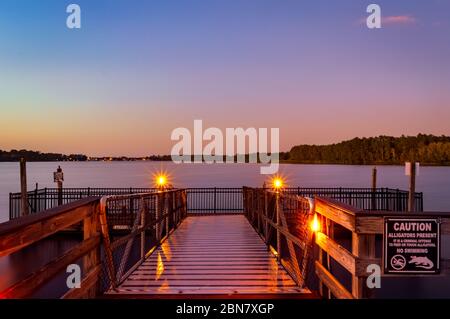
(426, 149)
(33, 156)
(381, 150)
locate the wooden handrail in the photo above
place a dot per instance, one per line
(20, 233)
(28, 285)
(363, 225)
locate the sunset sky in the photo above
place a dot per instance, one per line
(138, 69)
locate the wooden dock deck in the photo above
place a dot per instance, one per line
(213, 255)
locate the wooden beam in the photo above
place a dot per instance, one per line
(27, 286)
(340, 215)
(336, 288)
(337, 252)
(369, 225)
(88, 283)
(354, 265)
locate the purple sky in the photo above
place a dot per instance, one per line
(137, 70)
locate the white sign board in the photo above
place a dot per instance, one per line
(408, 169)
(58, 177)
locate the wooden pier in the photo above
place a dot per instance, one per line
(269, 250)
(211, 255)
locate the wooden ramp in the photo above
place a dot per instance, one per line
(211, 255)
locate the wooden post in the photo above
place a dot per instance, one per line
(91, 227)
(23, 187)
(59, 177)
(363, 246)
(35, 203)
(374, 188)
(412, 188)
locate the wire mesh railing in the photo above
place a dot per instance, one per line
(145, 220)
(283, 220)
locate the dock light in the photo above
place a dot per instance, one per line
(315, 225)
(277, 183)
(161, 181)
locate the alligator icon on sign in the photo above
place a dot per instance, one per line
(398, 262)
(421, 262)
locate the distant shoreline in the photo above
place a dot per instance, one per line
(429, 150)
(281, 162)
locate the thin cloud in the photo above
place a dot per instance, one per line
(401, 19)
(393, 20)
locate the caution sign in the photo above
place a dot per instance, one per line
(411, 246)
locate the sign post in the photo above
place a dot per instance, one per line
(58, 178)
(412, 170)
(411, 245)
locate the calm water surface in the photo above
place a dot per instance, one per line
(433, 181)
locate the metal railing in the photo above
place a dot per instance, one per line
(283, 220)
(154, 216)
(215, 200)
(105, 257)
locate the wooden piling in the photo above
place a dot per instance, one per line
(412, 188)
(374, 188)
(23, 187)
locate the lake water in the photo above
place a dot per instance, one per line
(434, 182)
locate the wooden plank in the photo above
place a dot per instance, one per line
(210, 283)
(338, 213)
(336, 288)
(28, 285)
(16, 235)
(171, 267)
(220, 271)
(204, 256)
(227, 292)
(369, 225)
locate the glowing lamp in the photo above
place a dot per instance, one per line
(277, 183)
(161, 181)
(315, 225)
